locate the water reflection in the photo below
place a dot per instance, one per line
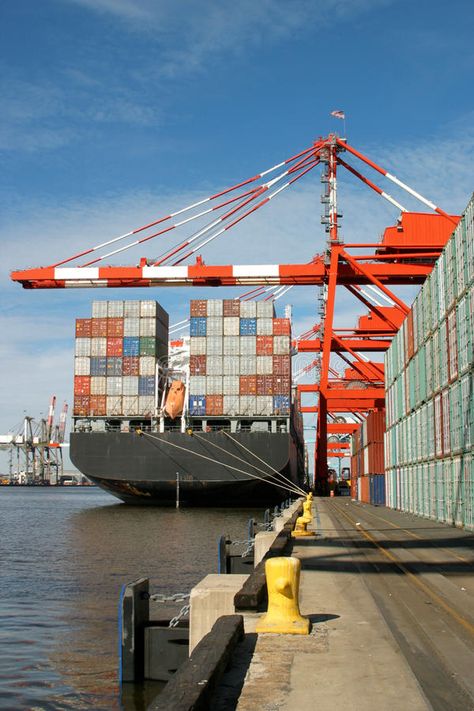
(65, 559)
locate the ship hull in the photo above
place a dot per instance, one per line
(212, 469)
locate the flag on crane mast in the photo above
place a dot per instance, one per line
(338, 114)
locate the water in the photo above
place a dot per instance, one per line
(65, 554)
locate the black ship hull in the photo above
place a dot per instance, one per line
(212, 469)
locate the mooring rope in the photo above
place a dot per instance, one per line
(301, 491)
(215, 461)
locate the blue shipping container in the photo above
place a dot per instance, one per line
(198, 326)
(281, 403)
(146, 385)
(98, 365)
(131, 346)
(114, 366)
(248, 326)
(197, 404)
(377, 489)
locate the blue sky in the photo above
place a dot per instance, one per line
(117, 111)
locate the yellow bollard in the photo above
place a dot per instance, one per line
(307, 515)
(283, 582)
(301, 527)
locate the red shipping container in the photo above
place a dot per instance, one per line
(265, 345)
(130, 365)
(248, 385)
(98, 327)
(265, 385)
(197, 365)
(83, 328)
(198, 307)
(115, 327)
(364, 489)
(81, 404)
(98, 405)
(281, 327)
(281, 385)
(231, 307)
(114, 346)
(214, 404)
(281, 365)
(375, 428)
(82, 385)
(374, 458)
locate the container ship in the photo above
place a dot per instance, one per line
(212, 418)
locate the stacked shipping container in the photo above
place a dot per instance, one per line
(116, 352)
(367, 459)
(429, 381)
(240, 359)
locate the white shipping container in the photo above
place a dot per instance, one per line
(148, 309)
(147, 327)
(131, 309)
(248, 345)
(99, 386)
(231, 325)
(248, 309)
(264, 365)
(264, 405)
(82, 365)
(99, 309)
(131, 326)
(197, 346)
(265, 309)
(264, 326)
(214, 326)
(147, 365)
(213, 365)
(214, 307)
(98, 347)
(197, 384)
(82, 347)
(114, 405)
(247, 404)
(281, 345)
(115, 309)
(146, 405)
(230, 385)
(130, 385)
(113, 385)
(213, 384)
(231, 405)
(231, 345)
(232, 365)
(214, 346)
(248, 365)
(130, 404)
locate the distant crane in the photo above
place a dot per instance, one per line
(35, 449)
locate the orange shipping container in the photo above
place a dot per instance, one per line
(214, 404)
(198, 307)
(81, 405)
(83, 328)
(248, 385)
(363, 493)
(82, 385)
(98, 405)
(373, 455)
(281, 365)
(375, 426)
(281, 327)
(114, 346)
(197, 365)
(265, 385)
(264, 345)
(115, 327)
(98, 327)
(231, 307)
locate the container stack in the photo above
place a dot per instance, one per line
(240, 359)
(429, 381)
(116, 354)
(367, 460)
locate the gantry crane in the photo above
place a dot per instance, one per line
(405, 255)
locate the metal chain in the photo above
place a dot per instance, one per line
(177, 597)
(182, 613)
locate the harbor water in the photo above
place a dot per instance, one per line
(65, 553)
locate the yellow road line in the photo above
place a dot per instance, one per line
(415, 535)
(426, 589)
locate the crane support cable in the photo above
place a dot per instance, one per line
(395, 180)
(210, 226)
(215, 461)
(262, 471)
(372, 185)
(246, 214)
(189, 207)
(263, 462)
